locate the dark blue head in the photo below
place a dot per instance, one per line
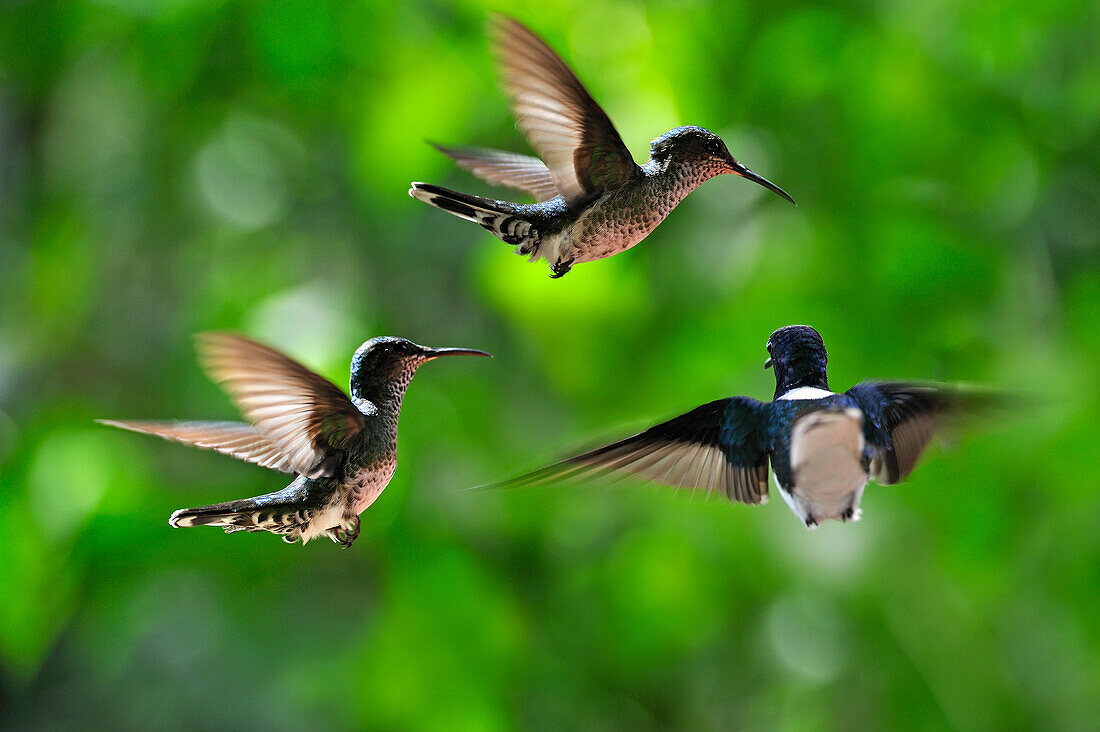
(797, 354)
(388, 362)
(704, 153)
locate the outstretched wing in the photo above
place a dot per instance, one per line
(564, 125)
(524, 172)
(900, 420)
(307, 417)
(720, 447)
(240, 440)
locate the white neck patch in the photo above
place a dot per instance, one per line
(807, 392)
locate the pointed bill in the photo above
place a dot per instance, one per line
(305, 415)
(437, 352)
(744, 172)
(565, 126)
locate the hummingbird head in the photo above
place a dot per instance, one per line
(704, 153)
(388, 362)
(797, 354)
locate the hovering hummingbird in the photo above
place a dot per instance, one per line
(593, 200)
(823, 446)
(344, 451)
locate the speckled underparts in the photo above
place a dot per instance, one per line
(593, 200)
(343, 450)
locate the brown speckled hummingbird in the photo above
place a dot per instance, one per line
(344, 451)
(593, 200)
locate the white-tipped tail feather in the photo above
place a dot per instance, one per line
(246, 515)
(493, 216)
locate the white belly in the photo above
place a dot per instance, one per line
(555, 248)
(827, 466)
(331, 516)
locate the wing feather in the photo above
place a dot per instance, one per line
(721, 447)
(524, 172)
(900, 419)
(567, 128)
(307, 417)
(238, 439)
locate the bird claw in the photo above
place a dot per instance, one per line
(560, 269)
(345, 537)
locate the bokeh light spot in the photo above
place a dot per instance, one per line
(806, 633)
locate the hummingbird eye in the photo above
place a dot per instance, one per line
(714, 146)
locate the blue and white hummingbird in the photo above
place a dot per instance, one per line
(593, 200)
(823, 446)
(343, 450)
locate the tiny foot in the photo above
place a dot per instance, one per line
(353, 530)
(560, 269)
(345, 535)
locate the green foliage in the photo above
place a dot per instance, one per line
(185, 165)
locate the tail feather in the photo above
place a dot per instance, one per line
(240, 515)
(248, 514)
(303, 510)
(498, 217)
(244, 515)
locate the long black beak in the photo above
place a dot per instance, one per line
(431, 353)
(741, 170)
(768, 363)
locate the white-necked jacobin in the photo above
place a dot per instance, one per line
(822, 446)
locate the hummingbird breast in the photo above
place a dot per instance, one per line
(363, 488)
(621, 218)
(368, 470)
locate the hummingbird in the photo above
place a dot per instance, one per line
(342, 450)
(593, 200)
(823, 446)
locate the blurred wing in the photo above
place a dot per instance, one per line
(240, 440)
(523, 172)
(564, 125)
(305, 415)
(900, 420)
(721, 447)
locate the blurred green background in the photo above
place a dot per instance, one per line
(185, 165)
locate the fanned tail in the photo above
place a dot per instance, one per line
(292, 513)
(242, 515)
(497, 217)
